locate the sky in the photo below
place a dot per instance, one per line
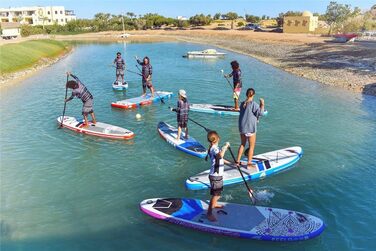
(174, 8)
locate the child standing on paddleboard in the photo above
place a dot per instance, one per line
(120, 67)
(236, 75)
(147, 71)
(182, 113)
(80, 91)
(216, 171)
(250, 111)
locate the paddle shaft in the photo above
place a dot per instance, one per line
(134, 72)
(252, 197)
(161, 99)
(65, 103)
(206, 129)
(228, 81)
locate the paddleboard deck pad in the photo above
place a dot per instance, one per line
(190, 145)
(99, 129)
(216, 109)
(267, 164)
(118, 86)
(142, 100)
(236, 220)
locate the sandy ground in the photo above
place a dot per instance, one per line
(351, 66)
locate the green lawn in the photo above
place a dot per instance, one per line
(14, 57)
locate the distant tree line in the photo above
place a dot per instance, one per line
(339, 17)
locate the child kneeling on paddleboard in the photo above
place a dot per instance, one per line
(250, 112)
(216, 171)
(236, 75)
(146, 73)
(182, 113)
(80, 91)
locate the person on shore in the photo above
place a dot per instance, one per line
(250, 111)
(147, 71)
(80, 91)
(236, 75)
(182, 110)
(216, 171)
(120, 68)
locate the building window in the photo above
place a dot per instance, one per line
(49, 20)
(62, 20)
(297, 23)
(48, 12)
(55, 11)
(66, 20)
(289, 23)
(56, 20)
(304, 22)
(61, 12)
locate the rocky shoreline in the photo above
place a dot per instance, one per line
(348, 66)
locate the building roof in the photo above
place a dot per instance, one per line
(10, 25)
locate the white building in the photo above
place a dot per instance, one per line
(182, 18)
(37, 15)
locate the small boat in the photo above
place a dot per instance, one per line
(209, 53)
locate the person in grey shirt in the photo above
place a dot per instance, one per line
(80, 91)
(250, 112)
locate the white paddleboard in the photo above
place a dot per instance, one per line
(216, 109)
(99, 129)
(118, 86)
(267, 164)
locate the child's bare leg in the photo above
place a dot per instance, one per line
(86, 122)
(243, 141)
(186, 132)
(93, 118)
(252, 142)
(212, 204)
(152, 91)
(179, 132)
(236, 104)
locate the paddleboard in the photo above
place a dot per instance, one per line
(142, 100)
(118, 86)
(99, 129)
(190, 145)
(236, 220)
(267, 164)
(216, 109)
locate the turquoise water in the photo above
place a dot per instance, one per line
(65, 191)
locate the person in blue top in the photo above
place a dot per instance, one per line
(80, 91)
(147, 71)
(250, 112)
(120, 67)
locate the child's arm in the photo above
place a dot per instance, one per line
(221, 154)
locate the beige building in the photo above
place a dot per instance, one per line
(37, 15)
(10, 30)
(306, 23)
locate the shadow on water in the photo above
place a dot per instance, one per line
(370, 89)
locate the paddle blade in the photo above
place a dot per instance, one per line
(253, 199)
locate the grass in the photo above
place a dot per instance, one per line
(19, 56)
